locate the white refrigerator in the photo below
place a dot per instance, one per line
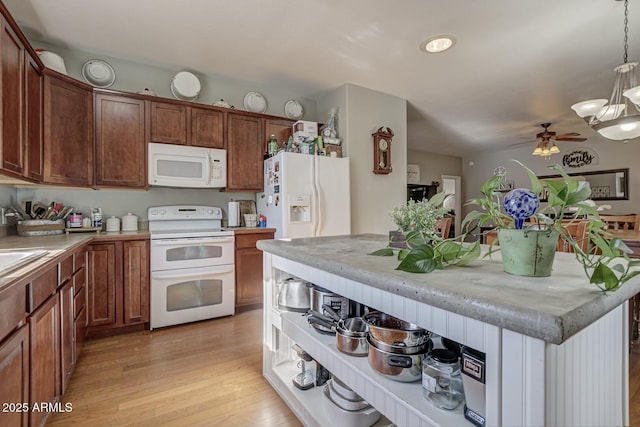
(306, 195)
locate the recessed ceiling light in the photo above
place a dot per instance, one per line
(437, 44)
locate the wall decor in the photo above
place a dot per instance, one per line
(580, 158)
(382, 151)
(413, 174)
(610, 184)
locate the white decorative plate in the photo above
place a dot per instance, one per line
(98, 73)
(185, 86)
(293, 109)
(255, 102)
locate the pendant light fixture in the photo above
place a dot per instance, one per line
(619, 118)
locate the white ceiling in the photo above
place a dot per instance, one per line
(515, 65)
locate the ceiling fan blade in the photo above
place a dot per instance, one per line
(562, 135)
(571, 139)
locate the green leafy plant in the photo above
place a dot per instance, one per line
(426, 249)
(606, 262)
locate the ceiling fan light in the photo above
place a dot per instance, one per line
(537, 151)
(546, 151)
(610, 112)
(633, 94)
(588, 108)
(554, 149)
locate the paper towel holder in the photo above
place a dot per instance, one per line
(233, 214)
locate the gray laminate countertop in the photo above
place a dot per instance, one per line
(548, 308)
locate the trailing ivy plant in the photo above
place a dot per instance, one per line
(426, 249)
(606, 262)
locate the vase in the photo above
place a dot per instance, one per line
(528, 252)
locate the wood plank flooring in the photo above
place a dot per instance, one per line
(201, 374)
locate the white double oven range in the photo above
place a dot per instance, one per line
(192, 265)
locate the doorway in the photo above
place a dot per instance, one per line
(451, 185)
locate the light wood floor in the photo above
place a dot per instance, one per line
(202, 374)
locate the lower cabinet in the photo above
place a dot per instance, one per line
(14, 378)
(248, 265)
(118, 285)
(44, 364)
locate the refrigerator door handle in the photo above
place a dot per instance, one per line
(316, 208)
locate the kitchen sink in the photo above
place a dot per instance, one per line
(10, 260)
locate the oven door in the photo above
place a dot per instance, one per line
(178, 253)
(188, 295)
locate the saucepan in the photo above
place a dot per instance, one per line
(391, 330)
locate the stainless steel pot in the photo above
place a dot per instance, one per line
(351, 336)
(293, 295)
(394, 331)
(402, 367)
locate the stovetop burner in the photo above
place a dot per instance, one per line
(185, 221)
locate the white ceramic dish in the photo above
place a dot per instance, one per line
(255, 102)
(340, 417)
(293, 109)
(185, 86)
(346, 404)
(98, 73)
(343, 389)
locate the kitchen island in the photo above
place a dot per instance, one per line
(556, 348)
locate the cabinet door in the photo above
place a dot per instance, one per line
(207, 128)
(68, 133)
(136, 281)
(12, 81)
(33, 118)
(104, 268)
(45, 358)
(282, 129)
(249, 271)
(245, 144)
(121, 148)
(67, 327)
(168, 123)
(14, 377)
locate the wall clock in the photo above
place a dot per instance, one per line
(382, 151)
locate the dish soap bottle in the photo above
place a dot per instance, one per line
(273, 145)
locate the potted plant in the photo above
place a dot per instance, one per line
(420, 248)
(605, 261)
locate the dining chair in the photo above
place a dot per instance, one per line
(621, 222)
(577, 230)
(444, 227)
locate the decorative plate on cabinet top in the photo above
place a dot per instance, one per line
(185, 86)
(293, 109)
(98, 73)
(255, 102)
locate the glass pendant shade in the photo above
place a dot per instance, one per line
(624, 128)
(633, 94)
(554, 149)
(588, 108)
(537, 151)
(610, 112)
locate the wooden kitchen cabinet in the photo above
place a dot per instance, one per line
(44, 384)
(186, 125)
(248, 265)
(118, 285)
(245, 155)
(281, 128)
(14, 377)
(12, 84)
(68, 131)
(67, 331)
(120, 141)
(33, 98)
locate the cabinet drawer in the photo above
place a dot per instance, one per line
(65, 268)
(79, 260)
(79, 302)
(41, 288)
(249, 240)
(12, 309)
(79, 280)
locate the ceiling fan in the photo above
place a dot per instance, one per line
(547, 141)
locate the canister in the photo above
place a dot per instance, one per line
(442, 379)
(129, 222)
(113, 224)
(75, 220)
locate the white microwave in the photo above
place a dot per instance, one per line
(173, 165)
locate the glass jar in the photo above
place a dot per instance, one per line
(441, 379)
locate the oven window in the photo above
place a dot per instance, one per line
(189, 253)
(179, 168)
(194, 293)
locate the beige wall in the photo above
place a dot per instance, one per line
(433, 166)
(361, 112)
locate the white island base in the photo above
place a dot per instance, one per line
(529, 382)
